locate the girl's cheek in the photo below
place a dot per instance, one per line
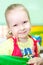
(28, 26)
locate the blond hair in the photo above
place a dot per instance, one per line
(14, 6)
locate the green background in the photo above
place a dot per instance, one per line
(35, 8)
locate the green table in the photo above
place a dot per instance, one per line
(12, 60)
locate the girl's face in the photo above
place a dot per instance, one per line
(19, 23)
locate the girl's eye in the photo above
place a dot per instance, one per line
(25, 22)
(15, 25)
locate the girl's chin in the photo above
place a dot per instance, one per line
(22, 36)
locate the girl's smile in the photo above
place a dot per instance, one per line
(19, 23)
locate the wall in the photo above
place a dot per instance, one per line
(35, 8)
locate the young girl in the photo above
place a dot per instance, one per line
(20, 42)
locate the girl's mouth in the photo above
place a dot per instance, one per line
(22, 32)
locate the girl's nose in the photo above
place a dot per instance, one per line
(22, 27)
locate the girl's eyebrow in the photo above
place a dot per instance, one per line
(25, 20)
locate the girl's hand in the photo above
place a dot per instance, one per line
(36, 61)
